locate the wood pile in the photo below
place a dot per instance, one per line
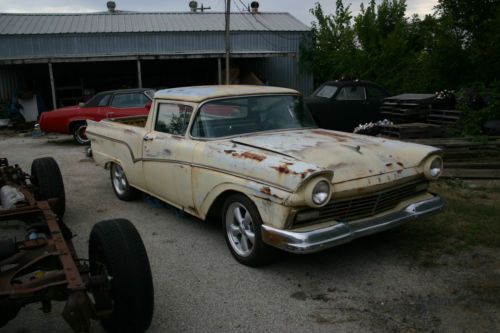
(412, 131)
(407, 108)
(468, 158)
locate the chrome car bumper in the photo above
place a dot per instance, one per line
(320, 239)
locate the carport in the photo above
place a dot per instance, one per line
(66, 58)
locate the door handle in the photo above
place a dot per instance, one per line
(147, 138)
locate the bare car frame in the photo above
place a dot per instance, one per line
(113, 286)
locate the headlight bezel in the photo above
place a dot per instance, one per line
(310, 189)
(433, 167)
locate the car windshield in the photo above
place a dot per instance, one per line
(244, 115)
(326, 91)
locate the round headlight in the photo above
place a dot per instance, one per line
(434, 167)
(321, 193)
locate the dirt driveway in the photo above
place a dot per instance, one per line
(411, 279)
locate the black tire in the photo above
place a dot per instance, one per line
(78, 130)
(117, 246)
(46, 176)
(120, 184)
(260, 253)
(7, 314)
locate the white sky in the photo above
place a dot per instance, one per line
(298, 8)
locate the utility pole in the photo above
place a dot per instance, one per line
(227, 40)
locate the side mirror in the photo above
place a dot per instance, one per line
(81, 104)
(148, 106)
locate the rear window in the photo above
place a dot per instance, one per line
(130, 100)
(326, 91)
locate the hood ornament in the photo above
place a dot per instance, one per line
(357, 149)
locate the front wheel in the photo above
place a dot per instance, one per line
(116, 250)
(121, 186)
(79, 133)
(242, 231)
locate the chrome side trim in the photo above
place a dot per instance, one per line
(324, 238)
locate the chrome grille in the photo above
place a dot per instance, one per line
(351, 209)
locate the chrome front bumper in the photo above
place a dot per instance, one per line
(321, 239)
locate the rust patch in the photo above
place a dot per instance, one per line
(128, 131)
(249, 155)
(266, 190)
(229, 151)
(284, 170)
(167, 152)
(388, 164)
(177, 137)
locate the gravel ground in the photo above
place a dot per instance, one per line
(364, 286)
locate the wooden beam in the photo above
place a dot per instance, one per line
(52, 86)
(139, 74)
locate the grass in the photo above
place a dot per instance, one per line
(471, 217)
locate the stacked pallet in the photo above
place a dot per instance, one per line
(444, 117)
(411, 131)
(407, 108)
(469, 158)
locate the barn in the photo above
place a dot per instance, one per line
(64, 58)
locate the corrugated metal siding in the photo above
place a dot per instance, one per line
(39, 24)
(8, 82)
(43, 46)
(280, 71)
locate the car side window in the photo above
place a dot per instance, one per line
(375, 93)
(104, 101)
(129, 100)
(352, 93)
(326, 91)
(173, 118)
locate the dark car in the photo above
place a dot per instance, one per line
(343, 105)
(107, 104)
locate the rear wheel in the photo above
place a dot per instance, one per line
(79, 133)
(117, 251)
(122, 188)
(46, 176)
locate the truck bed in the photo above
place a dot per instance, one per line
(136, 121)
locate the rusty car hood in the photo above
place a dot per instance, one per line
(349, 156)
(286, 159)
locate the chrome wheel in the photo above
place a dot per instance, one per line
(240, 229)
(120, 183)
(80, 134)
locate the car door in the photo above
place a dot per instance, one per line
(375, 98)
(350, 107)
(167, 155)
(126, 104)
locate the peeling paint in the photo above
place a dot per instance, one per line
(249, 155)
(266, 190)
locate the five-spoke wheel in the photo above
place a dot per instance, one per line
(242, 230)
(122, 188)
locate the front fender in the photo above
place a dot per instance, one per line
(208, 185)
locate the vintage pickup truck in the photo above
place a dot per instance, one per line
(253, 157)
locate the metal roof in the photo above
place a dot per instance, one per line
(127, 22)
(201, 93)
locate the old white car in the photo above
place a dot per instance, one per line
(253, 157)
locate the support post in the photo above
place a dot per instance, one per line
(52, 86)
(219, 69)
(227, 39)
(139, 74)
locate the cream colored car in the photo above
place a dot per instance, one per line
(253, 157)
